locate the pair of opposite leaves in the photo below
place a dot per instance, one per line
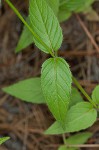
(78, 115)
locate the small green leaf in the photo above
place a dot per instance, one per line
(79, 117)
(26, 38)
(79, 138)
(27, 90)
(45, 24)
(56, 86)
(4, 139)
(63, 147)
(95, 95)
(75, 97)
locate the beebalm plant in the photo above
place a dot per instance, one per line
(54, 87)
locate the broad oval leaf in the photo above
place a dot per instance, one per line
(56, 86)
(79, 117)
(45, 24)
(95, 95)
(3, 139)
(27, 90)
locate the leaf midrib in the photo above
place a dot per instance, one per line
(56, 86)
(45, 26)
(55, 74)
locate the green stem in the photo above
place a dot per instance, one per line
(83, 91)
(64, 139)
(30, 29)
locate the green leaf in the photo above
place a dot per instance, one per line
(79, 117)
(78, 6)
(87, 5)
(63, 15)
(26, 38)
(4, 139)
(63, 10)
(95, 95)
(27, 90)
(63, 147)
(79, 138)
(56, 86)
(54, 4)
(75, 97)
(45, 24)
(15, 90)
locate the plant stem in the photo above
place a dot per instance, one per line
(64, 139)
(83, 91)
(30, 29)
